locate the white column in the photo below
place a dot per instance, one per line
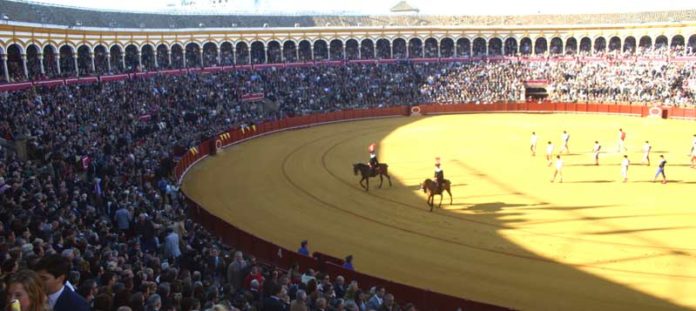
(4, 68)
(91, 57)
(219, 56)
(439, 55)
(487, 48)
(58, 62)
(311, 49)
(297, 52)
(344, 51)
(265, 54)
(184, 54)
(234, 56)
(77, 68)
(140, 60)
(123, 59)
(24, 65)
(156, 62)
(391, 49)
(169, 57)
(359, 50)
(108, 62)
(201, 49)
(41, 65)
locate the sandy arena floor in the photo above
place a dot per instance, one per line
(511, 237)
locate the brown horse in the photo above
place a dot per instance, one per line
(366, 172)
(430, 187)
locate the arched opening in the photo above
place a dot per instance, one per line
(430, 48)
(677, 42)
(15, 66)
(163, 56)
(383, 49)
(147, 53)
(84, 60)
(49, 60)
(132, 58)
(614, 44)
(556, 46)
(177, 56)
(645, 42)
(33, 62)
(510, 47)
(661, 42)
(352, 49)
(336, 49)
(692, 45)
(585, 45)
(399, 48)
(600, 44)
(242, 53)
(193, 55)
(226, 54)
(67, 60)
(463, 47)
(526, 46)
(447, 48)
(210, 54)
(629, 45)
(116, 58)
(258, 52)
(274, 55)
(415, 48)
(540, 46)
(321, 50)
(290, 51)
(305, 48)
(367, 49)
(479, 47)
(571, 46)
(101, 65)
(495, 47)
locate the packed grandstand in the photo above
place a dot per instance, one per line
(89, 144)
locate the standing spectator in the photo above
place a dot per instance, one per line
(234, 270)
(25, 286)
(123, 218)
(171, 245)
(348, 263)
(274, 303)
(53, 271)
(304, 249)
(377, 299)
(300, 302)
(389, 304)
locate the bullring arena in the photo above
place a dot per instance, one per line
(176, 160)
(591, 242)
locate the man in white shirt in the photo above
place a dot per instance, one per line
(624, 168)
(559, 168)
(53, 271)
(549, 153)
(646, 153)
(595, 152)
(533, 143)
(565, 137)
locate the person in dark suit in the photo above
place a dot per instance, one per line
(274, 303)
(53, 271)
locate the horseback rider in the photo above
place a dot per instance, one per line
(439, 174)
(374, 163)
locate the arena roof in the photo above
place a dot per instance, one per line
(14, 11)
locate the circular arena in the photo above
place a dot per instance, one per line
(570, 246)
(184, 160)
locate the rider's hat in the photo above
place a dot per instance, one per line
(372, 147)
(437, 161)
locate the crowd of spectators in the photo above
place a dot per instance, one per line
(95, 184)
